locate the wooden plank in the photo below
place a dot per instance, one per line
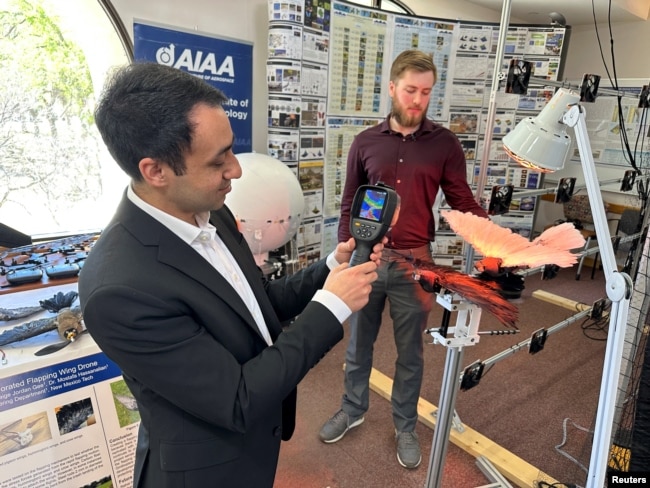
(512, 467)
(560, 301)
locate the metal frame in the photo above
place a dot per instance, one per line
(619, 290)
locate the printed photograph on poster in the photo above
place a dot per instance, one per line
(283, 145)
(503, 122)
(497, 174)
(310, 175)
(283, 76)
(554, 42)
(24, 432)
(314, 80)
(318, 14)
(313, 204)
(75, 415)
(312, 112)
(309, 233)
(523, 204)
(315, 46)
(126, 408)
(448, 244)
(285, 41)
(312, 144)
(464, 121)
(287, 10)
(284, 112)
(523, 178)
(469, 146)
(475, 38)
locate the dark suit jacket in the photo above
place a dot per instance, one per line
(214, 398)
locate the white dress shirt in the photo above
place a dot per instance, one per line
(204, 239)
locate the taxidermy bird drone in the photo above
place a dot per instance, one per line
(68, 322)
(504, 252)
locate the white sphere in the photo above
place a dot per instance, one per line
(267, 202)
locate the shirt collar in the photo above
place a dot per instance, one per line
(187, 232)
(425, 126)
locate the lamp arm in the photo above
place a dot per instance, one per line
(619, 289)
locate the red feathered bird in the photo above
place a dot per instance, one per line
(504, 251)
(482, 293)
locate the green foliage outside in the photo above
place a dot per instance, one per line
(48, 143)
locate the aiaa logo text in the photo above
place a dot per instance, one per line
(197, 62)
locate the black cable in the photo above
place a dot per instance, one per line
(625, 146)
(591, 327)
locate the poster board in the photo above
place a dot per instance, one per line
(66, 419)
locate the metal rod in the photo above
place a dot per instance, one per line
(576, 87)
(619, 289)
(519, 346)
(546, 191)
(444, 416)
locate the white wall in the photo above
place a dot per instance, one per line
(630, 39)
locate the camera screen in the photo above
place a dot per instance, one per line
(372, 205)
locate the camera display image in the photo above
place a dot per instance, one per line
(372, 205)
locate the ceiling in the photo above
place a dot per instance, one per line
(576, 12)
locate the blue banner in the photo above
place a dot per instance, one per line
(225, 64)
(25, 388)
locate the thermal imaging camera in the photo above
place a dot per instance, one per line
(372, 213)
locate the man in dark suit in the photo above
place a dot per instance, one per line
(175, 299)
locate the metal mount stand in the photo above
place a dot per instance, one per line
(619, 289)
(465, 333)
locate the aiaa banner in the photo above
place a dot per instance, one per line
(224, 63)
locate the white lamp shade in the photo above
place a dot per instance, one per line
(542, 143)
(267, 201)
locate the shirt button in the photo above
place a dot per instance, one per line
(401, 160)
(399, 181)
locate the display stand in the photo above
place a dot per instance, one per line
(465, 333)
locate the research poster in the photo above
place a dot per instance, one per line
(67, 419)
(226, 64)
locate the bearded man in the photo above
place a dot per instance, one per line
(418, 158)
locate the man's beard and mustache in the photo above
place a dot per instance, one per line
(399, 115)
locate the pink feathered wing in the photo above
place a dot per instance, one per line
(553, 246)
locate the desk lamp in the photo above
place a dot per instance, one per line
(542, 144)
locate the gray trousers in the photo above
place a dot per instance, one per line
(409, 310)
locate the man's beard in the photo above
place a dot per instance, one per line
(399, 115)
